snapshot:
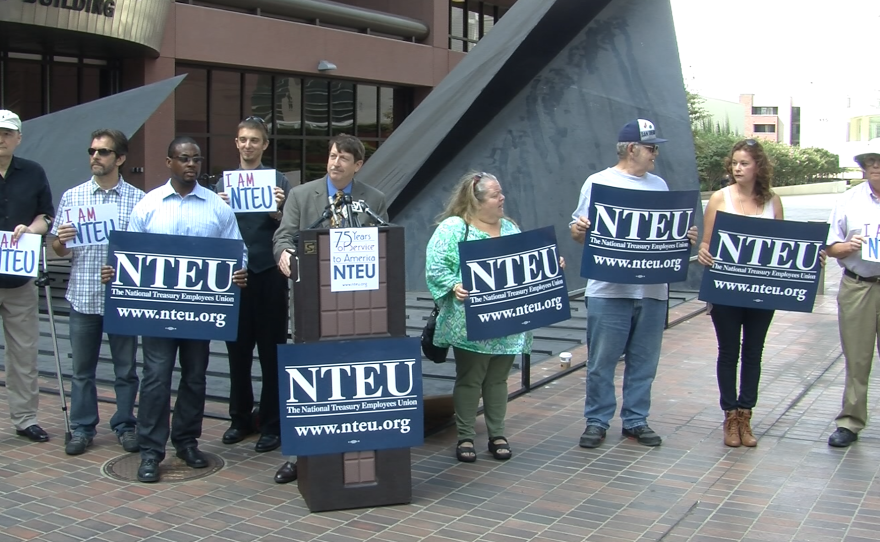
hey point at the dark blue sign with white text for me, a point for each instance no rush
(764, 264)
(173, 286)
(349, 396)
(638, 236)
(514, 282)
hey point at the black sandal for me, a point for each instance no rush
(466, 454)
(500, 451)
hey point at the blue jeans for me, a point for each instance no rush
(633, 327)
(86, 332)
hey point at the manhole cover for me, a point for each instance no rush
(171, 469)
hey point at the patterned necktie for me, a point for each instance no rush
(338, 220)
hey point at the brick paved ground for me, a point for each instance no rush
(692, 488)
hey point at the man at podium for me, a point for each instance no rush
(333, 201)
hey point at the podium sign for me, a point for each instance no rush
(371, 474)
(345, 396)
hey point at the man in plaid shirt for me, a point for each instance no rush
(86, 296)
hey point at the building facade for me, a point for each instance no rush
(310, 69)
(772, 118)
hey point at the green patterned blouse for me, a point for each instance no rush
(443, 271)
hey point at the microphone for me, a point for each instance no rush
(362, 207)
(352, 217)
(324, 216)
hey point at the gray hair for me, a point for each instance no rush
(622, 148)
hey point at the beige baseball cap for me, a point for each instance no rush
(9, 120)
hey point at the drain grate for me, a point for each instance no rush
(171, 470)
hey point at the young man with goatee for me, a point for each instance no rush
(85, 293)
(262, 316)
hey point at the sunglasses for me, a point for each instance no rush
(750, 142)
(654, 149)
(257, 119)
(101, 152)
(477, 178)
(187, 159)
(871, 162)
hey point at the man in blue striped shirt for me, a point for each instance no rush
(85, 292)
(179, 207)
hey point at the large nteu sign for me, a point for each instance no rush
(761, 263)
(342, 396)
(173, 286)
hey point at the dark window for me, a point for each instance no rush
(225, 102)
(34, 85)
(770, 111)
(23, 88)
(191, 102)
(469, 21)
(300, 113)
(63, 87)
(765, 128)
(795, 127)
(342, 107)
(367, 111)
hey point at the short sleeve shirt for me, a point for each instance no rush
(614, 177)
(85, 291)
(24, 195)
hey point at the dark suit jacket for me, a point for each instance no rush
(305, 204)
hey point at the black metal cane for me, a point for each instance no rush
(43, 281)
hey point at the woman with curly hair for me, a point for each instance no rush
(748, 194)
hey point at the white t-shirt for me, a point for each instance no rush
(618, 179)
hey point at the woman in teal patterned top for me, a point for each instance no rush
(475, 211)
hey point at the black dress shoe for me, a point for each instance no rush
(194, 457)
(267, 443)
(34, 433)
(235, 434)
(842, 438)
(148, 472)
(286, 474)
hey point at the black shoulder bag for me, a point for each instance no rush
(435, 353)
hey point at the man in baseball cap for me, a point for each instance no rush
(639, 131)
(25, 207)
(623, 318)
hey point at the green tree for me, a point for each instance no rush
(696, 111)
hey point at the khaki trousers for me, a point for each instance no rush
(21, 327)
(858, 315)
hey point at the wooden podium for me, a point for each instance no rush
(353, 479)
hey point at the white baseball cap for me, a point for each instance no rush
(9, 120)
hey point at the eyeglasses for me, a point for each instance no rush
(187, 159)
(750, 142)
(101, 152)
(871, 162)
(654, 149)
(257, 119)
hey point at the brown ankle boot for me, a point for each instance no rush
(745, 429)
(731, 429)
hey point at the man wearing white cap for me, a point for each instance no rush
(25, 207)
(623, 318)
(854, 221)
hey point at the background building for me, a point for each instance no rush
(774, 118)
(310, 69)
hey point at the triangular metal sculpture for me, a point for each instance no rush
(58, 141)
(539, 102)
